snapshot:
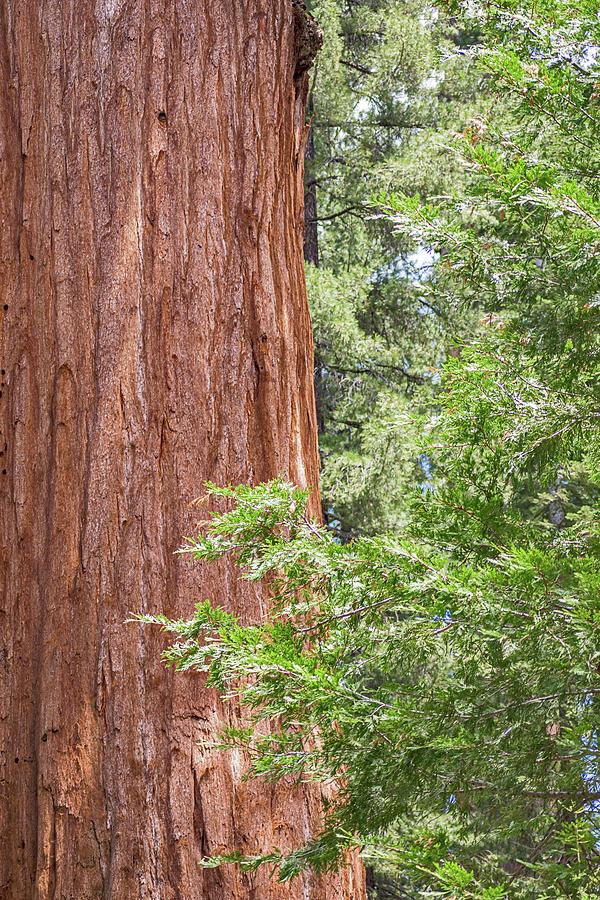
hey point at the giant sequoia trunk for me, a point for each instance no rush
(154, 334)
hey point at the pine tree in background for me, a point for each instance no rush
(383, 99)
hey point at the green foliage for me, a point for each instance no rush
(383, 95)
(363, 405)
(454, 688)
(445, 675)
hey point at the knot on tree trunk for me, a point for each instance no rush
(308, 37)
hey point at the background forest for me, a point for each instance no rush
(439, 634)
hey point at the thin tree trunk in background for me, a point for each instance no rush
(154, 334)
(311, 234)
(311, 243)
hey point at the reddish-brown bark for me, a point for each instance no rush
(153, 334)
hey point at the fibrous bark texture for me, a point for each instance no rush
(153, 334)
